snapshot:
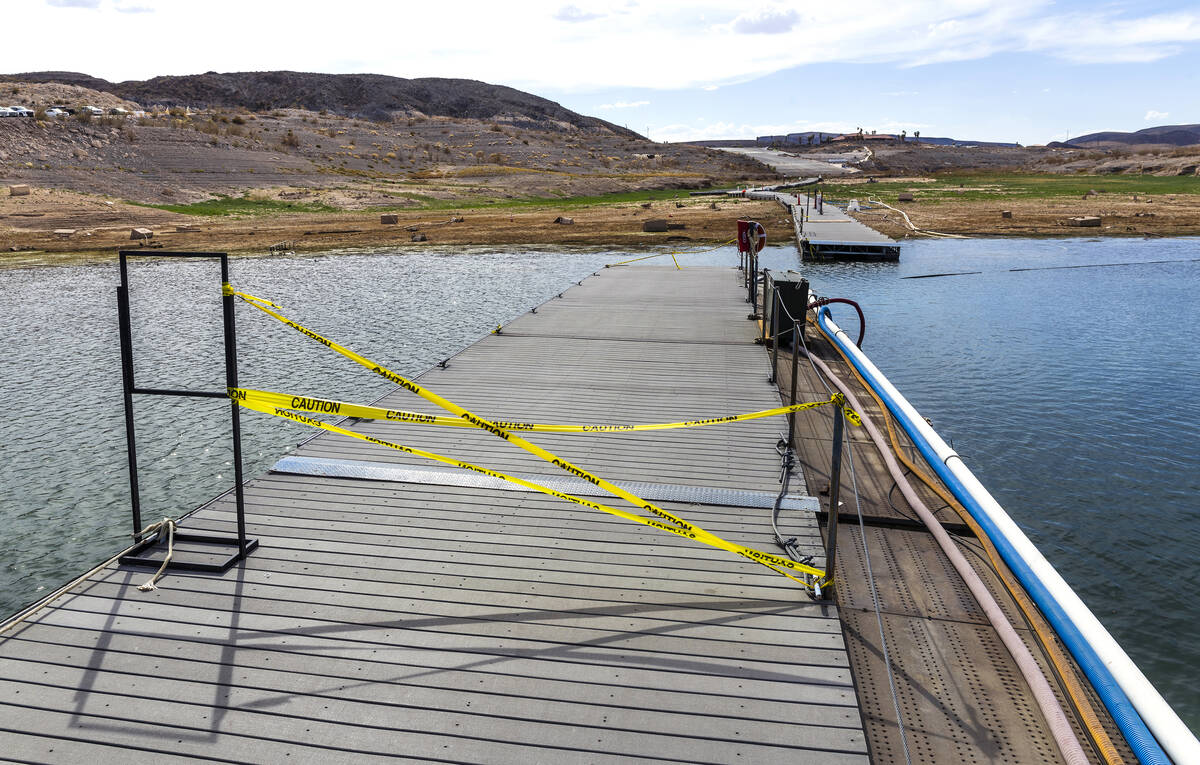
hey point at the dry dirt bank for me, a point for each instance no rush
(1119, 216)
(102, 227)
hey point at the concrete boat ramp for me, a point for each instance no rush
(396, 610)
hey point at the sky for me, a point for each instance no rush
(1030, 71)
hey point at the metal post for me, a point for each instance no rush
(773, 318)
(127, 383)
(835, 478)
(231, 381)
(796, 329)
(765, 318)
(754, 277)
(750, 276)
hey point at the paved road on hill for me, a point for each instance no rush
(801, 167)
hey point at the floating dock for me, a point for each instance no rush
(401, 609)
(825, 232)
(396, 609)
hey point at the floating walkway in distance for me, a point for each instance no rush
(830, 234)
(401, 612)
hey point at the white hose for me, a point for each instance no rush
(912, 227)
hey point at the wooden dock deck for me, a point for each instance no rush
(418, 613)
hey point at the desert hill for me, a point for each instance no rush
(369, 96)
(423, 149)
(1171, 135)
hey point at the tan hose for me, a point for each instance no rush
(1061, 664)
(1056, 718)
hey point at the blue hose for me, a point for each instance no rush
(1145, 747)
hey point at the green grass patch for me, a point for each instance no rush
(222, 206)
(243, 206)
(999, 187)
(619, 197)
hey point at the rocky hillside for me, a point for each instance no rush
(344, 162)
(1168, 135)
(369, 96)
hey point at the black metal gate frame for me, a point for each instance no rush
(139, 554)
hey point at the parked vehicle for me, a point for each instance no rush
(6, 112)
(54, 111)
(95, 111)
(20, 111)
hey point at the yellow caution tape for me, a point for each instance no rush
(673, 253)
(774, 562)
(685, 530)
(344, 409)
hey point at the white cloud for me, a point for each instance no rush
(770, 21)
(623, 105)
(666, 44)
(134, 9)
(573, 13)
(710, 87)
(1105, 37)
(1152, 116)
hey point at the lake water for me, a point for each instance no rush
(1071, 392)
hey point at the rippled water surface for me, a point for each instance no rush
(1071, 392)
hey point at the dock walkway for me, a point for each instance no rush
(419, 613)
(831, 234)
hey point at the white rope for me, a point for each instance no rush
(169, 525)
(914, 228)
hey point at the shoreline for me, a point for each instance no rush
(702, 222)
(32, 228)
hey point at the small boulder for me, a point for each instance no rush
(905, 197)
(1006, 213)
(141, 233)
(19, 190)
(389, 219)
(564, 221)
(419, 237)
(654, 225)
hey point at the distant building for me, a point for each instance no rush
(866, 137)
(810, 138)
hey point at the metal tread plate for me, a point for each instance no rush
(663, 492)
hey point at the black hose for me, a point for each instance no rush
(862, 319)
